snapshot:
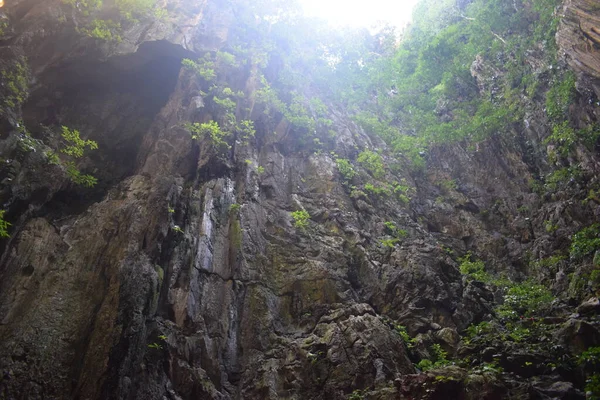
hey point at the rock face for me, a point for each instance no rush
(181, 275)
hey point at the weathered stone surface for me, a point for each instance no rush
(155, 285)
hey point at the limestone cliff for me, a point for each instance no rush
(182, 274)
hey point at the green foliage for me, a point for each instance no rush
(550, 227)
(73, 147)
(378, 190)
(590, 358)
(4, 225)
(402, 191)
(225, 58)
(85, 7)
(401, 330)
(549, 263)
(439, 359)
(356, 395)
(564, 138)
(78, 178)
(204, 67)
(372, 162)
(560, 96)
(211, 131)
(473, 269)
(449, 184)
(268, 98)
(301, 218)
(76, 146)
(234, 209)
(389, 243)
(480, 329)
(525, 299)
(245, 131)
(346, 169)
(106, 30)
(133, 9)
(395, 231)
(3, 25)
(585, 242)
(592, 386)
(15, 82)
(561, 177)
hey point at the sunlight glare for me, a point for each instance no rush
(361, 13)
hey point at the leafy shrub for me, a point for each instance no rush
(245, 130)
(76, 145)
(78, 178)
(203, 67)
(585, 242)
(372, 163)
(102, 29)
(85, 7)
(15, 82)
(212, 131)
(473, 269)
(560, 96)
(526, 299)
(301, 219)
(4, 225)
(378, 190)
(345, 167)
(439, 359)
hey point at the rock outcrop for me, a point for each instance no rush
(181, 274)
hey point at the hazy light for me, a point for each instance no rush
(365, 13)
(1, 3)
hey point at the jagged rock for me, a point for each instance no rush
(591, 306)
(183, 275)
(578, 335)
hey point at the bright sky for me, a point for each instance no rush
(361, 12)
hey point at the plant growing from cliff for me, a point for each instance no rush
(85, 7)
(440, 359)
(378, 190)
(204, 67)
(585, 242)
(527, 299)
(74, 147)
(590, 361)
(211, 131)
(4, 225)
(403, 191)
(357, 395)
(560, 96)
(15, 82)
(107, 30)
(78, 178)
(346, 169)
(301, 218)
(245, 131)
(473, 269)
(372, 162)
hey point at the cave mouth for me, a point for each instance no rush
(113, 102)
